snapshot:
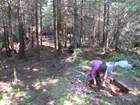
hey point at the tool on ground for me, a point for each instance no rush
(86, 76)
(79, 72)
(83, 74)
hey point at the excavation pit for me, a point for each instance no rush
(113, 88)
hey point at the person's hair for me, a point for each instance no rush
(103, 68)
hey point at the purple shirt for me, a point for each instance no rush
(96, 64)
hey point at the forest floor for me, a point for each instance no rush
(54, 81)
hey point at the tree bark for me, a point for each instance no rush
(107, 22)
(33, 27)
(76, 25)
(59, 25)
(104, 26)
(38, 49)
(81, 27)
(24, 37)
(54, 22)
(10, 30)
(41, 21)
(21, 31)
(99, 24)
(6, 41)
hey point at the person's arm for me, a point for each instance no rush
(93, 77)
(104, 77)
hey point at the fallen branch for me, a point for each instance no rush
(79, 72)
(135, 65)
(69, 95)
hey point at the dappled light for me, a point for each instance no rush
(53, 81)
(35, 69)
(69, 52)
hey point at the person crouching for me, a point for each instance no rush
(99, 67)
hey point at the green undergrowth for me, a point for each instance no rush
(75, 100)
(126, 72)
(16, 95)
(105, 101)
(58, 89)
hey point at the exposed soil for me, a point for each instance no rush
(113, 88)
(31, 70)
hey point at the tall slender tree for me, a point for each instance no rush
(11, 37)
(59, 25)
(54, 23)
(41, 20)
(38, 49)
(76, 24)
(81, 25)
(21, 30)
(33, 24)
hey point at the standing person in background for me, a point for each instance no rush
(44, 32)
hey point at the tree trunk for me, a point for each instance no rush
(10, 30)
(41, 21)
(33, 28)
(38, 49)
(81, 27)
(64, 31)
(59, 25)
(104, 25)
(25, 37)
(76, 25)
(21, 32)
(89, 10)
(99, 25)
(54, 22)
(107, 26)
(6, 41)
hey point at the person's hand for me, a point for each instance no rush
(104, 84)
(95, 82)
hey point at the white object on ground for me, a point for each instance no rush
(123, 64)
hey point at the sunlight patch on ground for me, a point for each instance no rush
(53, 81)
(35, 69)
(37, 87)
(77, 99)
(3, 102)
(69, 59)
(67, 103)
(11, 95)
(117, 74)
(4, 85)
(67, 73)
(135, 93)
(51, 102)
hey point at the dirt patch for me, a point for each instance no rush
(113, 88)
(37, 75)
